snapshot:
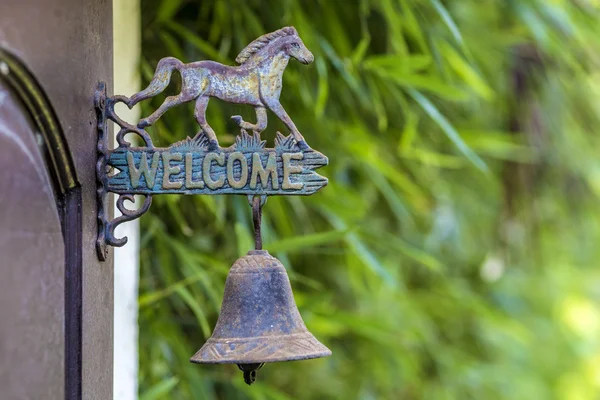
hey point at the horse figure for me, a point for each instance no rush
(256, 81)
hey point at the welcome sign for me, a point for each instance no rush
(246, 168)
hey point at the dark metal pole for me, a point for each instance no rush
(256, 218)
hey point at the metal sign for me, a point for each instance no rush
(247, 167)
(199, 165)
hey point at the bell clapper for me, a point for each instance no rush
(249, 371)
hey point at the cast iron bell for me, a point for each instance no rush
(259, 320)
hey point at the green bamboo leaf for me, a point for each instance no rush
(378, 105)
(323, 88)
(306, 241)
(395, 27)
(196, 41)
(260, 392)
(335, 29)
(150, 298)
(395, 201)
(409, 132)
(434, 159)
(147, 70)
(244, 238)
(368, 152)
(466, 72)
(370, 329)
(167, 9)
(196, 307)
(173, 203)
(500, 145)
(448, 129)
(336, 61)
(534, 23)
(392, 62)
(160, 390)
(361, 50)
(413, 27)
(424, 82)
(171, 44)
(362, 251)
(418, 255)
(447, 18)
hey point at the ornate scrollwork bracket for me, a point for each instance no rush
(105, 112)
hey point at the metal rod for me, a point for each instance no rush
(256, 218)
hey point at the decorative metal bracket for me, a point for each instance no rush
(191, 167)
(105, 111)
(199, 165)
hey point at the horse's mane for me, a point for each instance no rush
(258, 44)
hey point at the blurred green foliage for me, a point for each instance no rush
(454, 254)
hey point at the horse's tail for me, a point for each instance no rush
(160, 81)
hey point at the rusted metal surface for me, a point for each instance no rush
(188, 167)
(199, 165)
(257, 203)
(105, 112)
(257, 81)
(259, 320)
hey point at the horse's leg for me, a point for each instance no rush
(169, 102)
(278, 110)
(261, 120)
(160, 80)
(200, 114)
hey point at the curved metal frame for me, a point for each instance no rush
(36, 102)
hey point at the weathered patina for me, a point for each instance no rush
(247, 167)
(259, 320)
(257, 81)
